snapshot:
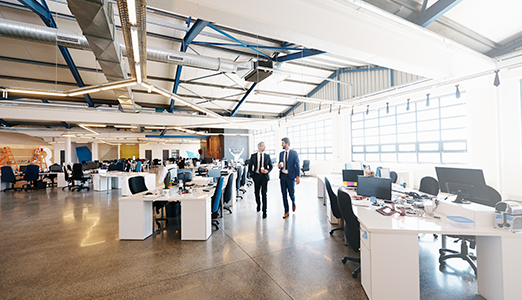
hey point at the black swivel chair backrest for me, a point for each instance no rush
(77, 173)
(243, 176)
(239, 175)
(137, 184)
(429, 185)
(56, 168)
(32, 173)
(306, 165)
(228, 190)
(393, 176)
(8, 174)
(351, 223)
(334, 203)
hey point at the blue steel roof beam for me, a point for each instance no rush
(238, 106)
(5, 123)
(44, 13)
(247, 46)
(435, 11)
(193, 32)
(300, 54)
(236, 40)
(315, 90)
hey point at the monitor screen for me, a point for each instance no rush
(469, 183)
(454, 179)
(23, 169)
(215, 173)
(351, 175)
(374, 187)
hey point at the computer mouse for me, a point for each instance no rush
(148, 193)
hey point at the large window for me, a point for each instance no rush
(269, 138)
(312, 141)
(414, 133)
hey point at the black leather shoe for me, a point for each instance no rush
(264, 215)
(258, 208)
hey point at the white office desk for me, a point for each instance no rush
(136, 215)
(390, 247)
(117, 180)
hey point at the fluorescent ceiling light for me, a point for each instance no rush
(138, 73)
(93, 125)
(68, 135)
(135, 44)
(83, 92)
(131, 10)
(87, 128)
(125, 126)
(36, 92)
(117, 86)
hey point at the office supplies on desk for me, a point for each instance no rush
(508, 216)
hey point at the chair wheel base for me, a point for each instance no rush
(344, 260)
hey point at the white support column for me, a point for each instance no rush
(68, 150)
(95, 151)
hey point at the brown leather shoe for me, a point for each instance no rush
(286, 215)
(293, 207)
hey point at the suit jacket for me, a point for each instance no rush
(267, 164)
(292, 164)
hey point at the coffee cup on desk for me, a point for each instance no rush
(166, 192)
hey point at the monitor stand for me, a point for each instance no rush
(460, 200)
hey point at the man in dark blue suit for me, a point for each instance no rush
(258, 168)
(289, 172)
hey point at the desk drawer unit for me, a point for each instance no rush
(384, 255)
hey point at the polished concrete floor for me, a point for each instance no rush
(58, 244)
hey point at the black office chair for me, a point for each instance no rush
(77, 175)
(238, 182)
(429, 185)
(31, 176)
(393, 176)
(306, 167)
(54, 168)
(334, 205)
(9, 177)
(492, 194)
(249, 180)
(137, 185)
(351, 227)
(227, 196)
(216, 201)
(68, 179)
(243, 179)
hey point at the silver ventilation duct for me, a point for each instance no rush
(96, 21)
(52, 36)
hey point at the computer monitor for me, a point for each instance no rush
(185, 175)
(374, 187)
(385, 173)
(214, 173)
(23, 169)
(467, 184)
(350, 176)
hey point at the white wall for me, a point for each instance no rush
(157, 149)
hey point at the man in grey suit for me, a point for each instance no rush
(259, 167)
